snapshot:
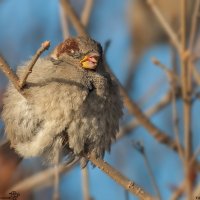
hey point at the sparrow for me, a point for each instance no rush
(70, 104)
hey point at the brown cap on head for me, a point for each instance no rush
(83, 51)
(69, 46)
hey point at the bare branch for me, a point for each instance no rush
(86, 12)
(151, 111)
(119, 178)
(69, 11)
(44, 46)
(139, 146)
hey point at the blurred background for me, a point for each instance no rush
(136, 36)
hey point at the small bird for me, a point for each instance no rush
(70, 104)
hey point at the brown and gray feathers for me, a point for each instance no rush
(64, 106)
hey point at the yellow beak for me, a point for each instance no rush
(90, 61)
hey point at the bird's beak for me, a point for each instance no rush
(90, 61)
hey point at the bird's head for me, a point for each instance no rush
(80, 51)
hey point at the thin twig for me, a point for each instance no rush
(85, 184)
(9, 73)
(69, 11)
(169, 72)
(44, 46)
(140, 148)
(151, 92)
(119, 178)
(86, 12)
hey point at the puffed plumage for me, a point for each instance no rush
(65, 107)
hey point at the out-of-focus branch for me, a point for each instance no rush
(169, 72)
(39, 180)
(192, 68)
(172, 35)
(125, 129)
(186, 92)
(85, 16)
(178, 192)
(64, 23)
(173, 82)
(69, 11)
(119, 178)
(164, 24)
(158, 134)
(194, 25)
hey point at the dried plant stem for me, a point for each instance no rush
(14, 79)
(186, 92)
(85, 184)
(141, 150)
(151, 92)
(194, 25)
(86, 12)
(44, 46)
(69, 11)
(120, 179)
